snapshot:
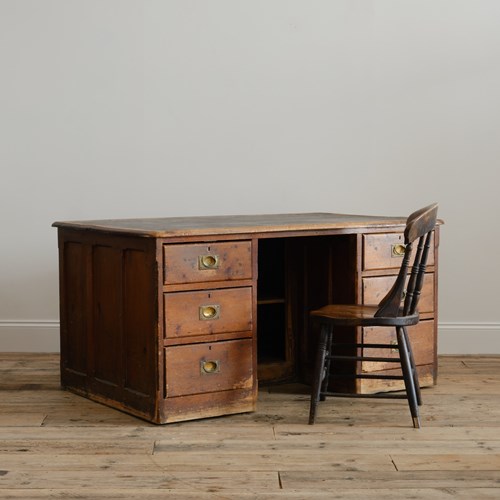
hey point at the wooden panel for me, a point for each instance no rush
(207, 262)
(212, 367)
(321, 270)
(139, 314)
(107, 314)
(184, 314)
(421, 339)
(74, 308)
(378, 251)
(375, 288)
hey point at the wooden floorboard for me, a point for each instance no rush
(54, 444)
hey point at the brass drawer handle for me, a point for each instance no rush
(209, 367)
(209, 312)
(398, 250)
(206, 262)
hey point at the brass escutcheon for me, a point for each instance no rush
(398, 250)
(208, 262)
(208, 367)
(209, 312)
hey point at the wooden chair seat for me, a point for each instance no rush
(361, 315)
(397, 309)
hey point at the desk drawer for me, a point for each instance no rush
(375, 289)
(426, 378)
(196, 263)
(211, 367)
(421, 339)
(385, 251)
(208, 312)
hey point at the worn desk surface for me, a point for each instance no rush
(233, 224)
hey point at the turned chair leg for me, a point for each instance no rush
(408, 375)
(413, 367)
(318, 372)
(327, 363)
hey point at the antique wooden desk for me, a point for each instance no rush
(173, 319)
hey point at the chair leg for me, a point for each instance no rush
(413, 367)
(318, 373)
(327, 363)
(408, 377)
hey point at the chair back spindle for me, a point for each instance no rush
(419, 225)
(390, 305)
(417, 276)
(411, 287)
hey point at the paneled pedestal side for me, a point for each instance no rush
(172, 319)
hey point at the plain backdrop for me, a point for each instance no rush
(121, 108)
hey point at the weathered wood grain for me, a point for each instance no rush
(234, 224)
(54, 444)
(220, 493)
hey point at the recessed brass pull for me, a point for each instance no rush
(209, 312)
(206, 262)
(398, 250)
(209, 367)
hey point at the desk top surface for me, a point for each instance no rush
(166, 227)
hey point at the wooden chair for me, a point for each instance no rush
(391, 311)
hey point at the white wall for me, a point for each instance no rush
(120, 108)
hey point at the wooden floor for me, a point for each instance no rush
(54, 444)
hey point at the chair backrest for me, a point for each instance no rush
(419, 226)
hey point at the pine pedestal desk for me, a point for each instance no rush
(173, 319)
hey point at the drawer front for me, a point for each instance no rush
(211, 367)
(375, 289)
(421, 339)
(426, 378)
(195, 263)
(385, 251)
(208, 312)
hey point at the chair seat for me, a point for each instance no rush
(360, 315)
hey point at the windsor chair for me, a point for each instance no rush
(398, 309)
